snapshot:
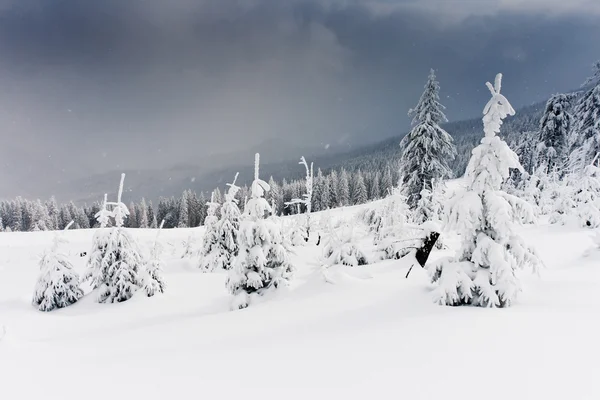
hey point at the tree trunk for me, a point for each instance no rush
(423, 252)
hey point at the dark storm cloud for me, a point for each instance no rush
(90, 86)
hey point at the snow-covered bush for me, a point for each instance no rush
(297, 233)
(58, 283)
(587, 197)
(263, 262)
(153, 280)
(483, 273)
(341, 248)
(563, 204)
(189, 247)
(221, 245)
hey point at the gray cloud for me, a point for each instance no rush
(92, 86)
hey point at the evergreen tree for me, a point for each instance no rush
(275, 197)
(427, 147)
(153, 280)
(16, 218)
(183, 211)
(344, 189)
(262, 264)
(58, 283)
(555, 126)
(374, 188)
(53, 212)
(317, 191)
(587, 196)
(202, 210)
(424, 210)
(115, 262)
(210, 241)
(334, 193)
(325, 202)
(153, 223)
(359, 191)
(223, 246)
(483, 272)
(143, 215)
(586, 135)
(386, 183)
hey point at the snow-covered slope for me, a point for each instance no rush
(372, 334)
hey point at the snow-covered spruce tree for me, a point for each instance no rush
(183, 211)
(189, 247)
(262, 264)
(307, 198)
(555, 126)
(424, 210)
(483, 272)
(58, 283)
(153, 280)
(343, 189)
(587, 195)
(225, 233)
(341, 249)
(359, 190)
(100, 243)
(390, 226)
(115, 261)
(585, 138)
(560, 193)
(427, 148)
(211, 236)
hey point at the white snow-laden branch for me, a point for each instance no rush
(496, 109)
(233, 189)
(103, 216)
(306, 197)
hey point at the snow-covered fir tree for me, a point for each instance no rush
(483, 271)
(387, 184)
(424, 210)
(189, 246)
(389, 224)
(210, 241)
(263, 262)
(586, 195)
(115, 261)
(143, 217)
(555, 127)
(224, 246)
(359, 190)
(375, 189)
(427, 148)
(585, 139)
(153, 280)
(343, 189)
(341, 248)
(307, 198)
(183, 212)
(58, 283)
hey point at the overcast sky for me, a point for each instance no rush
(90, 86)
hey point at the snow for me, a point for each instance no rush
(370, 334)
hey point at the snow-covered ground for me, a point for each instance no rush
(373, 334)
